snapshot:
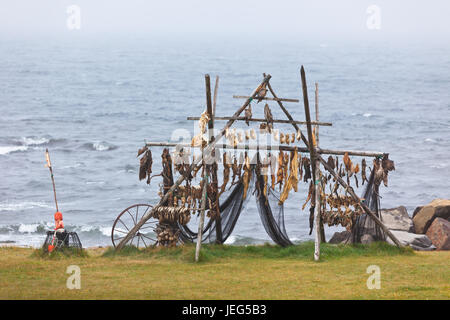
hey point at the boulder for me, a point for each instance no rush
(341, 237)
(416, 241)
(397, 219)
(424, 217)
(439, 234)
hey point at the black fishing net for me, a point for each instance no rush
(365, 229)
(234, 204)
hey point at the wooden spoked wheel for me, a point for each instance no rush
(127, 219)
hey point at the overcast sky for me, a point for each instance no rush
(416, 19)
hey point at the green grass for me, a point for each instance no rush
(60, 253)
(303, 251)
(227, 272)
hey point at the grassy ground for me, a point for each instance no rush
(227, 272)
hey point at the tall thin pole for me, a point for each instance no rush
(322, 230)
(213, 167)
(49, 165)
(314, 165)
(216, 89)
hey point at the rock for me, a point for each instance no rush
(397, 219)
(417, 210)
(439, 234)
(424, 217)
(341, 237)
(416, 241)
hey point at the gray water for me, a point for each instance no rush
(92, 102)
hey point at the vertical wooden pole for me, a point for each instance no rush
(322, 230)
(213, 167)
(216, 88)
(202, 218)
(314, 165)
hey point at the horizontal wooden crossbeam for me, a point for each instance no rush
(329, 124)
(274, 147)
(267, 98)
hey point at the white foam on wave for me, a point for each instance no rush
(32, 141)
(11, 149)
(100, 146)
(367, 115)
(24, 205)
(28, 228)
(230, 240)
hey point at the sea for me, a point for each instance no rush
(93, 101)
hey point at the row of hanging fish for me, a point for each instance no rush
(167, 235)
(172, 215)
(343, 210)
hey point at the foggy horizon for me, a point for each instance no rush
(322, 20)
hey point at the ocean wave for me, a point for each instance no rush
(23, 205)
(44, 226)
(11, 149)
(99, 146)
(34, 141)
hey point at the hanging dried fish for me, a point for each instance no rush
(203, 121)
(300, 166)
(363, 171)
(263, 128)
(310, 193)
(248, 114)
(273, 165)
(269, 118)
(287, 138)
(331, 163)
(388, 165)
(261, 93)
(239, 137)
(276, 135)
(307, 169)
(235, 168)
(226, 172)
(282, 138)
(145, 169)
(247, 175)
(293, 137)
(314, 137)
(292, 181)
(253, 134)
(347, 162)
(299, 134)
(141, 151)
(280, 171)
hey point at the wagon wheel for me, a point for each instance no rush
(127, 219)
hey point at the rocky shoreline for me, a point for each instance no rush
(427, 229)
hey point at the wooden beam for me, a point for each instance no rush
(328, 124)
(216, 89)
(322, 229)
(268, 98)
(213, 167)
(314, 165)
(273, 147)
(149, 214)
